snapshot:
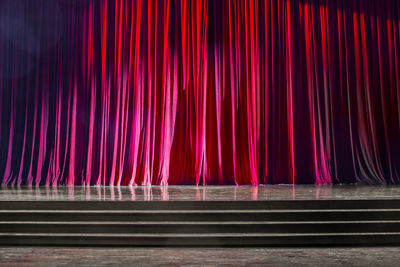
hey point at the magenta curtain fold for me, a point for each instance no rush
(120, 92)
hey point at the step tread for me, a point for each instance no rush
(196, 222)
(198, 211)
(199, 234)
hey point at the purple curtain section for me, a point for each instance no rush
(120, 92)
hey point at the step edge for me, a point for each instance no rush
(196, 222)
(160, 235)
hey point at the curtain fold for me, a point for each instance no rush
(123, 92)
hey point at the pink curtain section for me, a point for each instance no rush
(169, 92)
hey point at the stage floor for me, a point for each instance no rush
(200, 193)
(45, 256)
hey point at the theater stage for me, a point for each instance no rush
(201, 216)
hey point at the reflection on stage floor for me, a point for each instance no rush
(199, 193)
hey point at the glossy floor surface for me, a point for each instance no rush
(182, 193)
(25, 256)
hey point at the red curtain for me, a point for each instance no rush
(170, 92)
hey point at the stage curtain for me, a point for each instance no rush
(119, 92)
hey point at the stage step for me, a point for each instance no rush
(198, 215)
(200, 223)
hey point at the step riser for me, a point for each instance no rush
(201, 205)
(223, 216)
(202, 241)
(202, 228)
